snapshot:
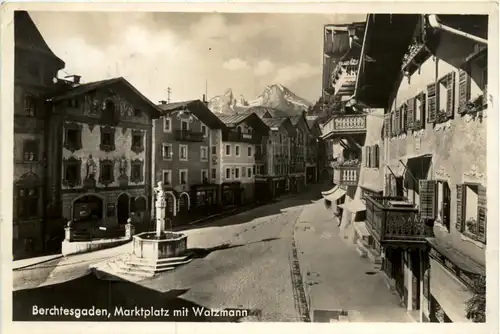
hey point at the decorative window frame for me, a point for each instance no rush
(213, 150)
(460, 224)
(72, 147)
(137, 163)
(250, 173)
(108, 147)
(237, 150)
(184, 121)
(207, 175)
(169, 181)
(230, 150)
(237, 173)
(181, 146)
(169, 158)
(72, 161)
(137, 148)
(201, 153)
(204, 130)
(106, 163)
(137, 112)
(250, 151)
(184, 170)
(226, 173)
(213, 175)
(30, 105)
(110, 118)
(447, 112)
(165, 128)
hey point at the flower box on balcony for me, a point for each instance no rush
(188, 135)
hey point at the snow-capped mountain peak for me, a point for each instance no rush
(274, 96)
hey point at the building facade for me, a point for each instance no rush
(35, 67)
(238, 152)
(430, 225)
(183, 156)
(299, 153)
(99, 153)
(316, 152)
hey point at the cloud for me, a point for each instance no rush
(289, 74)
(235, 64)
(263, 67)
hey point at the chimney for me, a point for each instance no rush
(204, 98)
(163, 102)
(75, 79)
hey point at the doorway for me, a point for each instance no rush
(123, 208)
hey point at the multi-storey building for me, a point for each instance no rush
(237, 152)
(99, 153)
(272, 176)
(35, 67)
(316, 152)
(184, 158)
(430, 78)
(298, 153)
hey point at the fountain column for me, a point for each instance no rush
(160, 205)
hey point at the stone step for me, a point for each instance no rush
(361, 252)
(343, 318)
(146, 261)
(155, 268)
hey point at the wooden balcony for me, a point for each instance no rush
(346, 175)
(345, 124)
(394, 220)
(238, 137)
(188, 135)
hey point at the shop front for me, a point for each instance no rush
(333, 198)
(205, 199)
(231, 194)
(263, 189)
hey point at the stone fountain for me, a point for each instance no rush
(152, 252)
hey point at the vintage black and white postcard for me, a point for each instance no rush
(245, 163)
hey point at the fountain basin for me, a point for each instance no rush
(147, 246)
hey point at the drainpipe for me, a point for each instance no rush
(434, 23)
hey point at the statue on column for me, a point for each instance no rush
(90, 168)
(123, 165)
(160, 194)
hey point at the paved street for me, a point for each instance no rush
(247, 262)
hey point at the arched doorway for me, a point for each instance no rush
(184, 203)
(88, 208)
(123, 208)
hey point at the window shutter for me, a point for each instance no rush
(481, 213)
(394, 186)
(409, 114)
(463, 89)
(431, 103)
(446, 205)
(422, 109)
(450, 93)
(376, 156)
(369, 155)
(393, 123)
(460, 208)
(427, 198)
(387, 126)
(398, 121)
(387, 184)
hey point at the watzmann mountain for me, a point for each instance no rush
(275, 96)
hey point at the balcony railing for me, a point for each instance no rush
(344, 124)
(346, 175)
(188, 135)
(237, 137)
(343, 77)
(394, 219)
(260, 156)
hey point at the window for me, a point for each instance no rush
(472, 211)
(183, 176)
(107, 138)
(204, 153)
(445, 98)
(204, 130)
(137, 141)
(167, 124)
(249, 171)
(136, 171)
(107, 172)
(228, 173)
(167, 152)
(30, 150)
(236, 173)
(27, 202)
(72, 172)
(214, 174)
(443, 202)
(204, 175)
(30, 106)
(214, 150)
(249, 151)
(243, 172)
(137, 112)
(237, 150)
(253, 168)
(184, 125)
(183, 152)
(109, 114)
(167, 176)
(228, 150)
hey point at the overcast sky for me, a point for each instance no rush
(153, 51)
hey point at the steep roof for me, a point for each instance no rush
(88, 87)
(198, 108)
(27, 36)
(280, 122)
(250, 118)
(261, 111)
